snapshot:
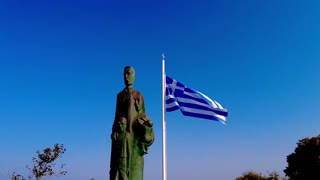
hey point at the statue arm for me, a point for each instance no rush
(128, 153)
(143, 110)
(147, 137)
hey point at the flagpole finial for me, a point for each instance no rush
(162, 56)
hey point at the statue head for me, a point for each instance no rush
(122, 124)
(128, 76)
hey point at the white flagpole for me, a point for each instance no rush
(164, 140)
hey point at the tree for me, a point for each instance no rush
(44, 164)
(257, 176)
(250, 176)
(304, 162)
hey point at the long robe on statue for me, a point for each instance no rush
(130, 105)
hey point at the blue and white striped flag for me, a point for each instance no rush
(192, 103)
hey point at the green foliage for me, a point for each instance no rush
(44, 164)
(255, 176)
(250, 176)
(304, 162)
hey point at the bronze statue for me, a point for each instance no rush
(132, 132)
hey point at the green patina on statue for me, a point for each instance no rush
(132, 132)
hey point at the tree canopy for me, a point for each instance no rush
(304, 162)
(44, 164)
(258, 176)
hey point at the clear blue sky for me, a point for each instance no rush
(61, 65)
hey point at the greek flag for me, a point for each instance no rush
(192, 103)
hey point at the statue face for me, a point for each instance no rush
(122, 124)
(128, 76)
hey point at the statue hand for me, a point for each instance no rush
(148, 138)
(114, 135)
(148, 123)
